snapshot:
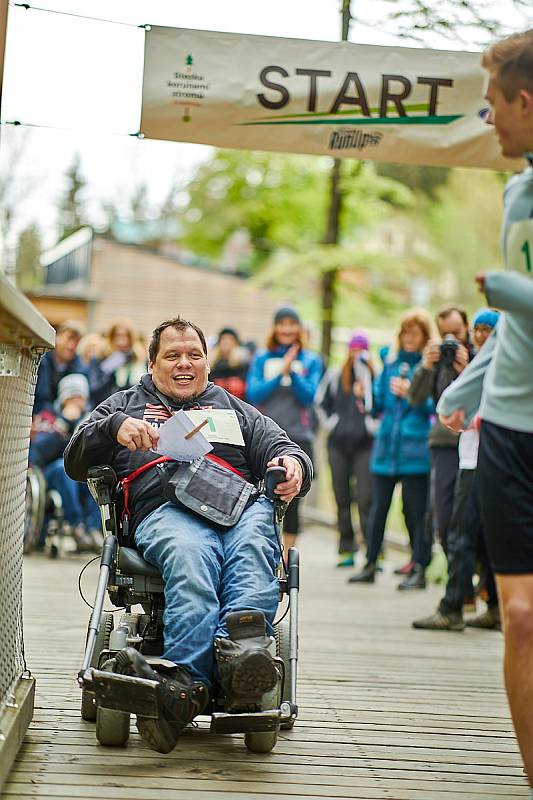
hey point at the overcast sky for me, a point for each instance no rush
(78, 74)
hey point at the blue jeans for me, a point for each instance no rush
(208, 574)
(78, 503)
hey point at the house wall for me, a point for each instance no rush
(58, 309)
(149, 288)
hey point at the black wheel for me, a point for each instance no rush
(88, 705)
(262, 742)
(34, 507)
(112, 727)
(282, 637)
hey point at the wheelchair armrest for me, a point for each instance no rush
(102, 481)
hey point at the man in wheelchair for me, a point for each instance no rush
(221, 588)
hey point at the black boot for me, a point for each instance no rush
(180, 696)
(416, 580)
(367, 574)
(247, 669)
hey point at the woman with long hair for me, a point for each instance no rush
(401, 453)
(282, 382)
(120, 364)
(344, 400)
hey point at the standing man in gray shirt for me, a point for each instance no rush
(500, 383)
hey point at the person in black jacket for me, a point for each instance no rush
(207, 574)
(441, 364)
(344, 401)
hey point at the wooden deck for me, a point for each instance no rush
(386, 711)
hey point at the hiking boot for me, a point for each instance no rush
(416, 580)
(441, 622)
(247, 669)
(181, 698)
(366, 575)
(406, 569)
(345, 560)
(489, 620)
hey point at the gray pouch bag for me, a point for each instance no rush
(209, 491)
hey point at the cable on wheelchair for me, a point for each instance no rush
(80, 590)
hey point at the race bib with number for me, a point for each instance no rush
(519, 249)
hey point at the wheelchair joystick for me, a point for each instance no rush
(273, 476)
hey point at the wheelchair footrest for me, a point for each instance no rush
(258, 722)
(126, 693)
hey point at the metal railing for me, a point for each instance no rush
(24, 336)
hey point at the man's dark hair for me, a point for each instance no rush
(178, 324)
(445, 312)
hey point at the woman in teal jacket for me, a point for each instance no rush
(401, 452)
(282, 383)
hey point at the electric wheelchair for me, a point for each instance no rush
(109, 698)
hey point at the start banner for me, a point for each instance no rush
(396, 104)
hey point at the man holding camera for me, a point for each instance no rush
(441, 364)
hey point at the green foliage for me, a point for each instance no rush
(281, 200)
(464, 225)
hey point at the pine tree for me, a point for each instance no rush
(72, 214)
(29, 248)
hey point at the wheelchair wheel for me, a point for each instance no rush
(88, 706)
(112, 727)
(282, 637)
(262, 742)
(34, 507)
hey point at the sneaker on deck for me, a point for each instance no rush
(440, 622)
(488, 620)
(345, 560)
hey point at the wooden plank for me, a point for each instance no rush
(386, 711)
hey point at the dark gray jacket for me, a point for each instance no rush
(428, 383)
(95, 441)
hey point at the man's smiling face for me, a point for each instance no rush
(180, 368)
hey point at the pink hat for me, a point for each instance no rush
(359, 340)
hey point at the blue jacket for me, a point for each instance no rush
(401, 442)
(48, 378)
(288, 399)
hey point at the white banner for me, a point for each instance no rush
(396, 104)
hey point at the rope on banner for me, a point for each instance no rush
(17, 123)
(28, 7)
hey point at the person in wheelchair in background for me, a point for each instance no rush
(208, 574)
(50, 434)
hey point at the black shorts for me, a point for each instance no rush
(505, 491)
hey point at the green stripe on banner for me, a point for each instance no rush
(434, 120)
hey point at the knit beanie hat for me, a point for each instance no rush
(287, 311)
(75, 385)
(358, 339)
(486, 316)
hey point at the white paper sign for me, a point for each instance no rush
(172, 441)
(222, 425)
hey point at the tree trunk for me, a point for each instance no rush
(329, 278)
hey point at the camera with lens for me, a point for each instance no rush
(448, 349)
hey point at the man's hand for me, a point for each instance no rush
(135, 434)
(461, 359)
(292, 484)
(431, 355)
(480, 280)
(455, 422)
(399, 386)
(288, 358)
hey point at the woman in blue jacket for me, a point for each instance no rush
(401, 452)
(282, 382)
